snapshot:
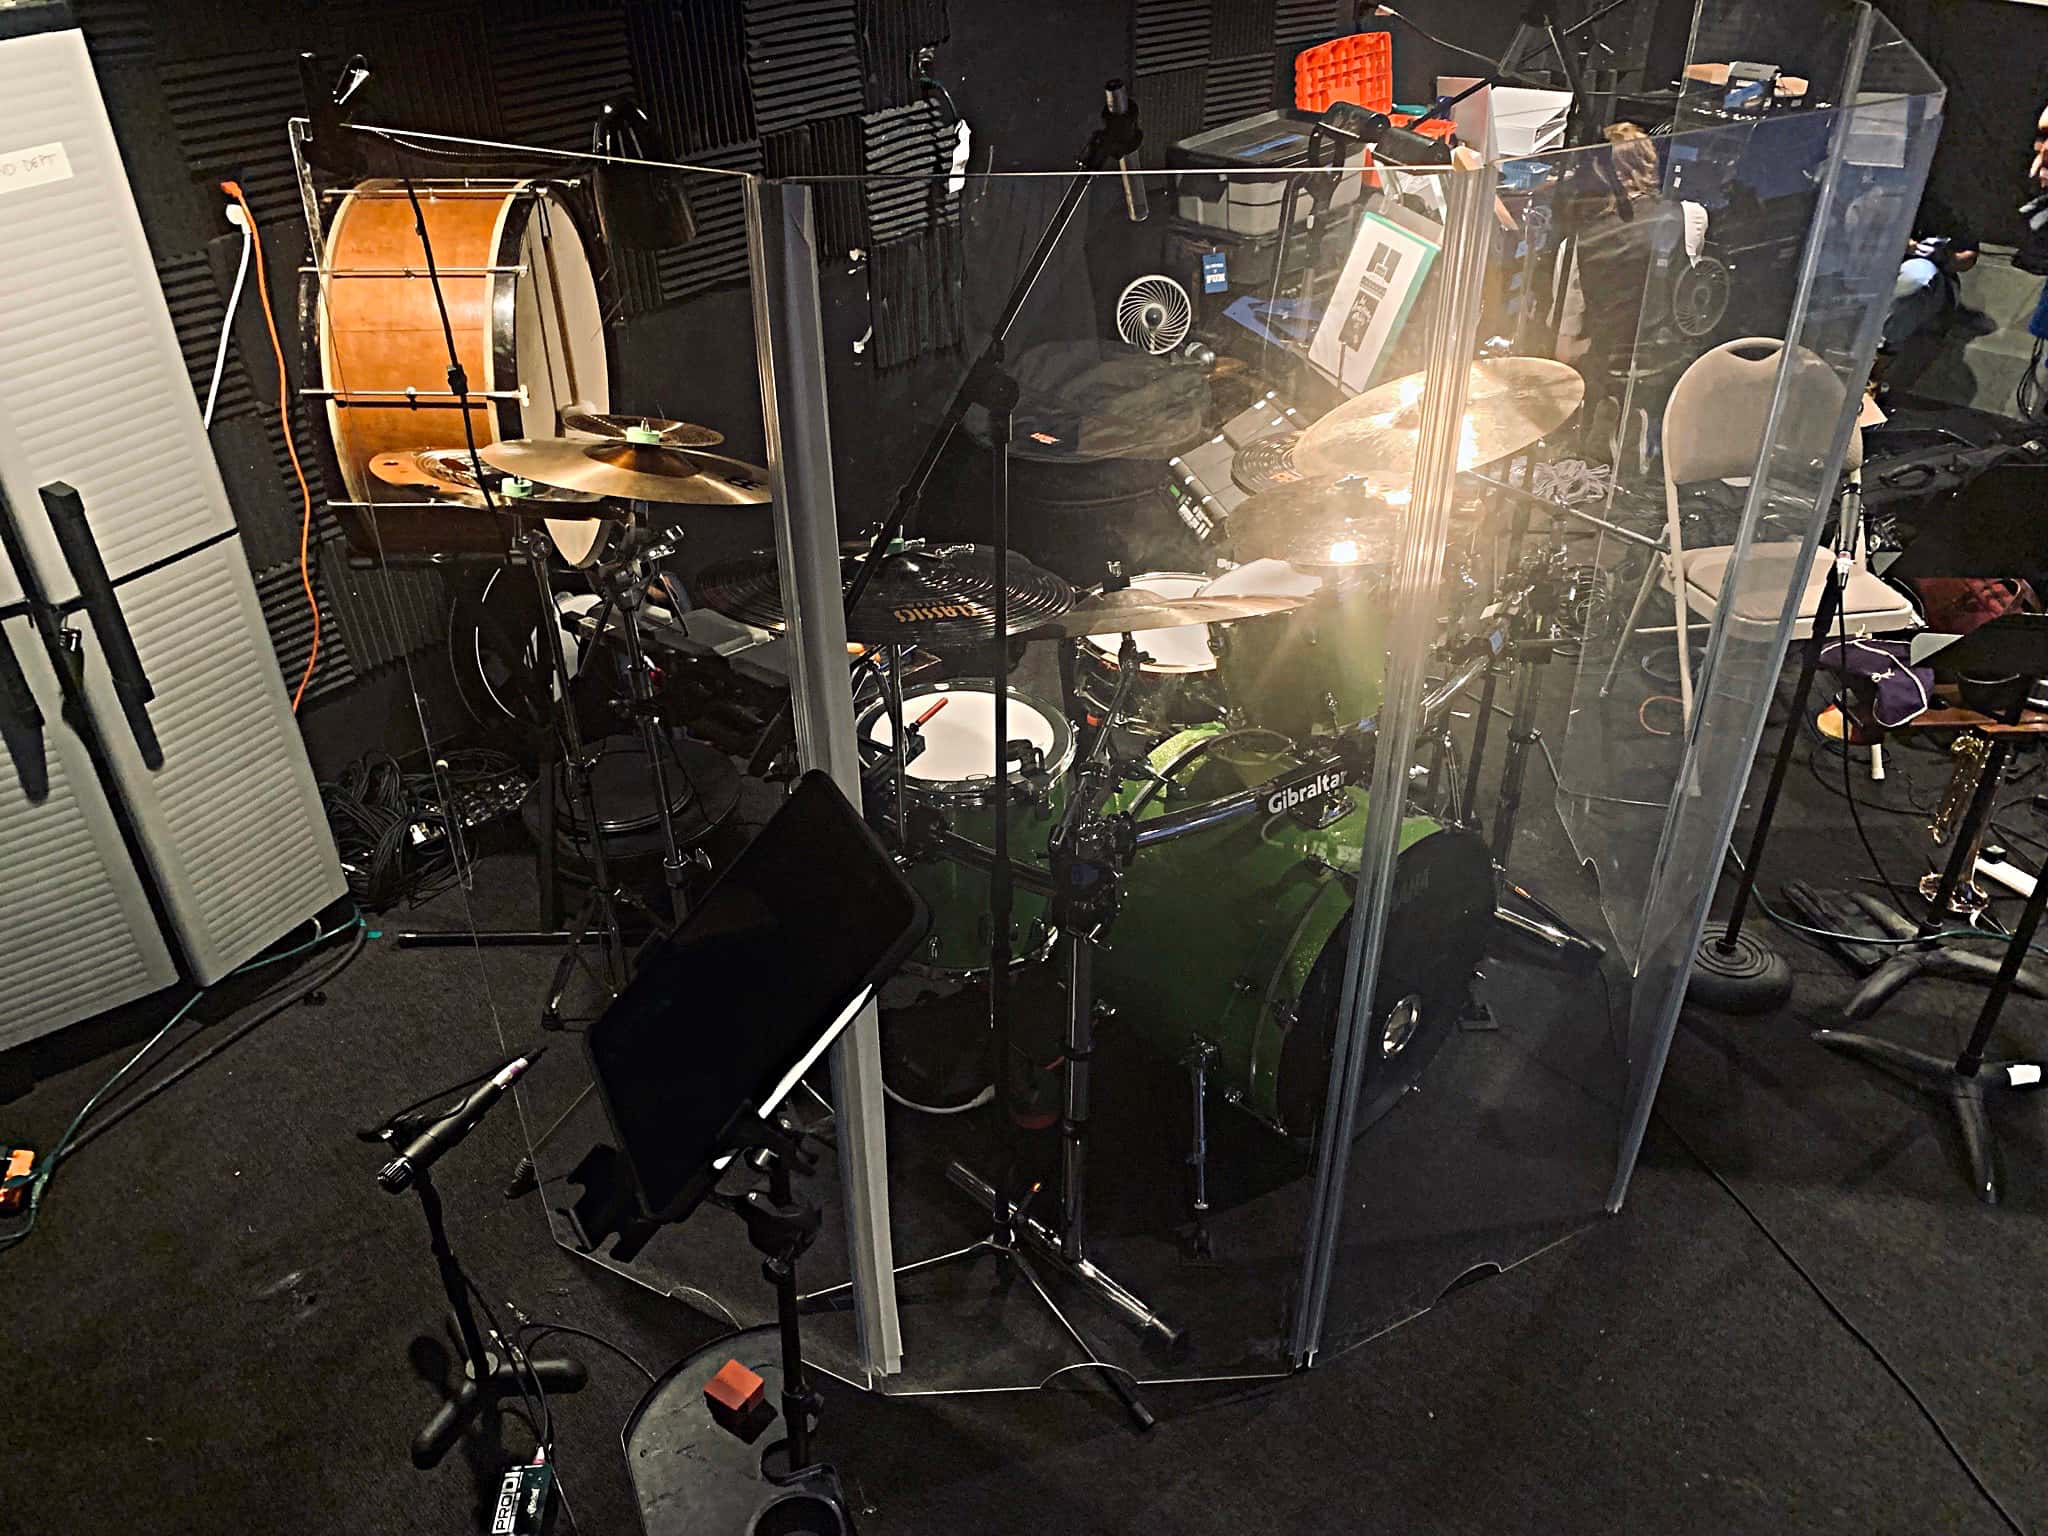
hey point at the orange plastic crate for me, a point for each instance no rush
(1359, 68)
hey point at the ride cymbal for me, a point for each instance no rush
(1320, 524)
(632, 471)
(667, 433)
(1134, 609)
(939, 595)
(1510, 403)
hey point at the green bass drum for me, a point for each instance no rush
(1235, 938)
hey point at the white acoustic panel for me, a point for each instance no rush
(93, 386)
(76, 931)
(232, 821)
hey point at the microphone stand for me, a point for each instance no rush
(986, 384)
(488, 1378)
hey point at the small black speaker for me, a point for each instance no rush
(639, 208)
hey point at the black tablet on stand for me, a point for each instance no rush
(692, 1063)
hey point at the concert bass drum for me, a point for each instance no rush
(1235, 938)
(529, 330)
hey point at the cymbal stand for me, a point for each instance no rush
(626, 585)
(598, 908)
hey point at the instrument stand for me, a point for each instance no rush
(626, 588)
(1994, 527)
(598, 909)
(782, 1229)
(488, 1379)
(1089, 851)
(1529, 645)
(1968, 1082)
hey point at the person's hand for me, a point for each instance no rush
(1963, 260)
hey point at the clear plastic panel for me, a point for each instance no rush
(1859, 212)
(1139, 389)
(650, 697)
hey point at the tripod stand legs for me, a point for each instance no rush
(488, 1379)
(1965, 1095)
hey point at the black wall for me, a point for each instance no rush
(1993, 55)
(200, 90)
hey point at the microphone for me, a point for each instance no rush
(425, 1149)
(1121, 138)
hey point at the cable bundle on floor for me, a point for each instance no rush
(393, 830)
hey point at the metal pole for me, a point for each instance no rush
(789, 339)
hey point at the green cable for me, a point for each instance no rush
(39, 1181)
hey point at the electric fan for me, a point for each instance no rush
(1153, 314)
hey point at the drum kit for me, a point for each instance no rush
(1192, 794)
(1194, 790)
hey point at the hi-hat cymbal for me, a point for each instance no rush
(1511, 402)
(450, 476)
(938, 595)
(667, 433)
(1134, 609)
(1321, 524)
(632, 471)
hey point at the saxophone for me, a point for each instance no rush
(1970, 753)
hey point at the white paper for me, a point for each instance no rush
(38, 166)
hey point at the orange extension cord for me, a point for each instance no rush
(284, 421)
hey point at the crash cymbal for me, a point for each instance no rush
(448, 475)
(1320, 524)
(1134, 609)
(667, 433)
(939, 595)
(1511, 403)
(632, 471)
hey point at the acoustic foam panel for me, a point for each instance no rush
(1239, 29)
(1170, 107)
(891, 33)
(1236, 88)
(690, 64)
(1168, 34)
(803, 61)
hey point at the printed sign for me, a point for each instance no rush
(21, 169)
(1374, 293)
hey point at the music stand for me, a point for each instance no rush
(691, 1062)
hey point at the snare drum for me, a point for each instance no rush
(1176, 684)
(1317, 670)
(953, 774)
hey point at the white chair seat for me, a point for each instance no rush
(1870, 605)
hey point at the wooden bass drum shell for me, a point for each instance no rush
(529, 329)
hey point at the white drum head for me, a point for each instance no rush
(1265, 578)
(960, 740)
(1181, 649)
(558, 339)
